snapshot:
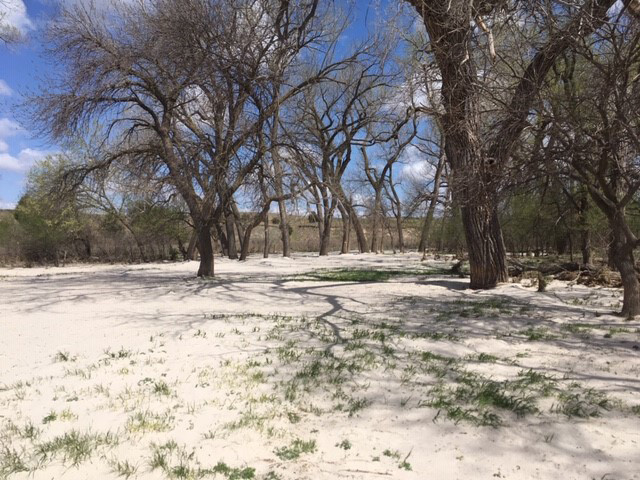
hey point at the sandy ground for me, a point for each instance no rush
(265, 372)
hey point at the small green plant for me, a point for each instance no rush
(583, 404)
(246, 473)
(120, 354)
(52, 416)
(123, 469)
(12, 462)
(161, 388)
(61, 356)
(295, 449)
(344, 444)
(536, 334)
(147, 421)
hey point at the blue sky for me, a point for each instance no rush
(22, 67)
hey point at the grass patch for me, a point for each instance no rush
(581, 403)
(366, 274)
(295, 449)
(146, 421)
(74, 447)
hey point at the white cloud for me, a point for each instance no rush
(14, 13)
(5, 89)
(23, 161)
(9, 128)
(4, 147)
(7, 205)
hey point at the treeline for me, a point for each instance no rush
(41, 232)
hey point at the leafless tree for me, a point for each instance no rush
(185, 84)
(480, 141)
(592, 129)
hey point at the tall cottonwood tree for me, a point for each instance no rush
(478, 145)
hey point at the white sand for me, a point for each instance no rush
(227, 376)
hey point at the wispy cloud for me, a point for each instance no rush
(9, 128)
(5, 89)
(14, 15)
(23, 161)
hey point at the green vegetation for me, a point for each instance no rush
(366, 275)
(295, 449)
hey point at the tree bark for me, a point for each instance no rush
(449, 25)
(623, 258)
(325, 238)
(487, 255)
(191, 248)
(206, 251)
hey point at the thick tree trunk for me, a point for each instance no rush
(625, 264)
(325, 238)
(206, 251)
(622, 252)
(487, 256)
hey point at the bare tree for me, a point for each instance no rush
(593, 134)
(463, 48)
(185, 84)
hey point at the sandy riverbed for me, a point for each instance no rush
(273, 370)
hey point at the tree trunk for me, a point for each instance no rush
(191, 249)
(258, 218)
(265, 252)
(346, 229)
(377, 229)
(487, 256)
(428, 221)
(625, 264)
(284, 229)
(206, 251)
(396, 208)
(363, 245)
(622, 252)
(400, 233)
(237, 221)
(231, 236)
(325, 238)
